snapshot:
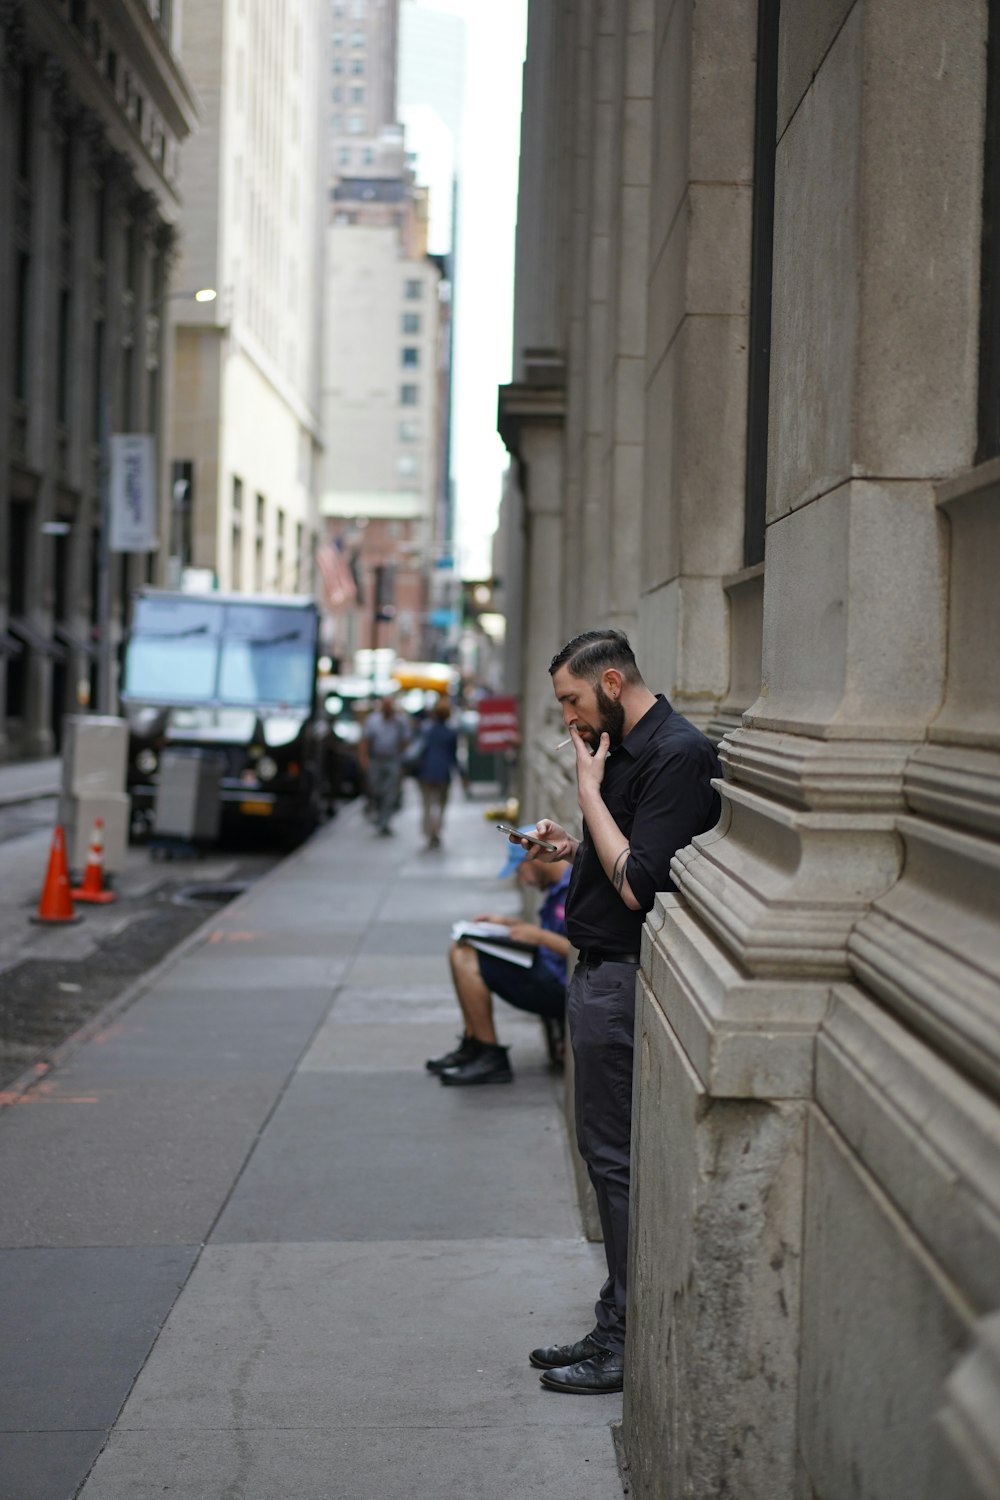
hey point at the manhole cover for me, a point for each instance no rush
(207, 894)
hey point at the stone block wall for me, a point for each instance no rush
(814, 1290)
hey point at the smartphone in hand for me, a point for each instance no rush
(531, 838)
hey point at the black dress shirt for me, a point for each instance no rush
(657, 787)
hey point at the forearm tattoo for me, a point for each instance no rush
(618, 873)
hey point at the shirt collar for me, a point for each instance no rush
(639, 735)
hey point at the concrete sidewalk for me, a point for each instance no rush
(27, 780)
(251, 1249)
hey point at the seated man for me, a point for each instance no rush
(479, 976)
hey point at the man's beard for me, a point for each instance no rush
(612, 716)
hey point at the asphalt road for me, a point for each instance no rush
(54, 979)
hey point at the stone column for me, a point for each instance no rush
(696, 357)
(629, 272)
(816, 1185)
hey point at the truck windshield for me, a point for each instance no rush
(194, 650)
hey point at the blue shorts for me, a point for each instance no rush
(536, 989)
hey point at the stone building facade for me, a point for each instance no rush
(755, 419)
(93, 109)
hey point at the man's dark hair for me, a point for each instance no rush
(592, 653)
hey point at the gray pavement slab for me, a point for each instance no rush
(399, 1156)
(404, 1335)
(135, 1162)
(46, 1465)
(361, 1463)
(77, 1326)
(375, 1047)
(277, 971)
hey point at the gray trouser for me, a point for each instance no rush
(385, 779)
(601, 1011)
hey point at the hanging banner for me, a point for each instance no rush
(133, 492)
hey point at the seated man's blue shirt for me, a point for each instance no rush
(552, 917)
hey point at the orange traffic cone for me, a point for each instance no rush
(56, 904)
(92, 889)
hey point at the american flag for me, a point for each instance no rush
(338, 579)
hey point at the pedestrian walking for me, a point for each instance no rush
(386, 735)
(644, 784)
(436, 765)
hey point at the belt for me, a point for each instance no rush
(603, 956)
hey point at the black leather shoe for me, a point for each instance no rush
(467, 1049)
(599, 1375)
(555, 1356)
(490, 1065)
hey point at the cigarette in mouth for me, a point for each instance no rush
(563, 743)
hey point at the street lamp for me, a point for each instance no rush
(203, 294)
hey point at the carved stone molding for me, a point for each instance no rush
(928, 1136)
(785, 887)
(861, 775)
(928, 948)
(970, 1415)
(746, 1038)
(957, 785)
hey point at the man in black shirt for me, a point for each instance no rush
(644, 781)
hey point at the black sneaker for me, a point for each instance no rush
(467, 1049)
(490, 1065)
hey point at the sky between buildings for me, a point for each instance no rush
(490, 109)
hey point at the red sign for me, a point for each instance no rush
(498, 724)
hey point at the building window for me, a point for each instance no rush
(357, 39)
(357, 95)
(337, 124)
(338, 65)
(410, 358)
(338, 38)
(355, 124)
(409, 395)
(358, 67)
(236, 537)
(988, 440)
(358, 8)
(368, 156)
(765, 138)
(406, 464)
(413, 290)
(409, 432)
(22, 341)
(258, 545)
(336, 93)
(62, 356)
(411, 322)
(24, 131)
(345, 156)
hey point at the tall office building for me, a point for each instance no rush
(385, 366)
(246, 432)
(94, 106)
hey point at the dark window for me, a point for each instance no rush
(101, 221)
(414, 290)
(411, 322)
(22, 340)
(410, 358)
(408, 395)
(988, 445)
(765, 142)
(63, 356)
(66, 181)
(24, 132)
(97, 382)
